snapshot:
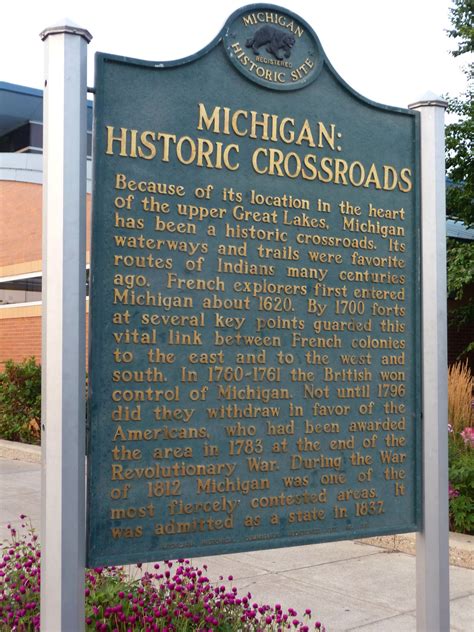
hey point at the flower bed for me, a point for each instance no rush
(461, 480)
(172, 597)
(461, 449)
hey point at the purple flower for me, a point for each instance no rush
(468, 436)
(452, 492)
(155, 602)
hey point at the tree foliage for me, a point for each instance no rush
(460, 159)
(460, 134)
(460, 168)
(461, 267)
(462, 15)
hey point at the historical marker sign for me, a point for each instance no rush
(254, 366)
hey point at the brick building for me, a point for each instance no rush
(21, 116)
(21, 177)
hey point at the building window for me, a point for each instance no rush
(26, 138)
(25, 289)
(29, 138)
(20, 290)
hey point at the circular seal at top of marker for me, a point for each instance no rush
(273, 47)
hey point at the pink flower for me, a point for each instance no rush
(468, 436)
(452, 492)
(184, 593)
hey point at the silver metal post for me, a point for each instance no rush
(432, 543)
(63, 351)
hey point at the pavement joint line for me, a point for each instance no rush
(246, 586)
(249, 577)
(360, 600)
(256, 567)
(398, 612)
(463, 596)
(345, 559)
(239, 578)
(383, 620)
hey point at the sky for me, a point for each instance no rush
(392, 52)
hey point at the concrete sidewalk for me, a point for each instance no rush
(348, 585)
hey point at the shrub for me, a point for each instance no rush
(461, 449)
(20, 401)
(172, 597)
(460, 386)
(461, 481)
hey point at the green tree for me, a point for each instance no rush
(462, 22)
(460, 166)
(460, 134)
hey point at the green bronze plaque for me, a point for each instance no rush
(254, 373)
